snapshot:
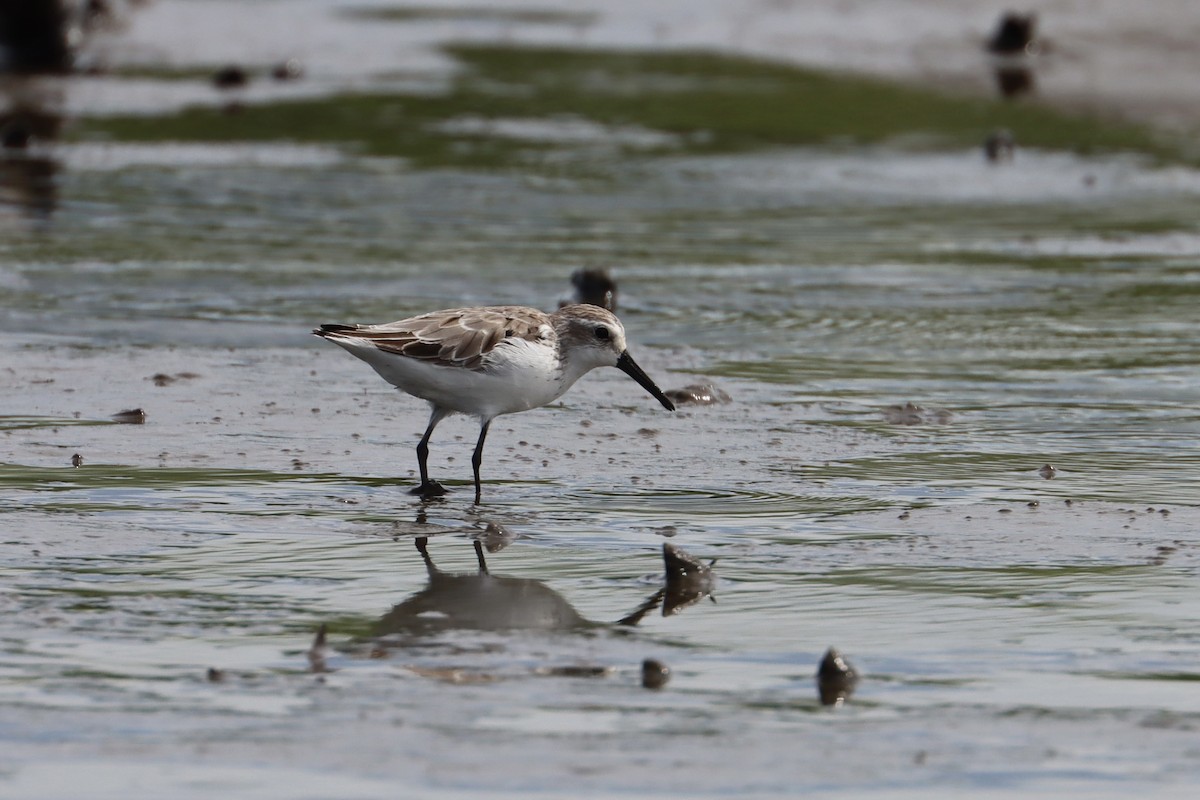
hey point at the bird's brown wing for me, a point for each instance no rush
(458, 337)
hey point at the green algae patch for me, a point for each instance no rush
(632, 101)
(523, 16)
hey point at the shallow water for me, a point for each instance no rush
(1015, 633)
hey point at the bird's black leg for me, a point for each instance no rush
(479, 557)
(428, 488)
(477, 457)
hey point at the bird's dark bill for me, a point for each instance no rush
(627, 365)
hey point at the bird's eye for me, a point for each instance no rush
(601, 332)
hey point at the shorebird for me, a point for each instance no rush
(488, 361)
(594, 286)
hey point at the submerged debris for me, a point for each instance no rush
(316, 654)
(655, 674)
(130, 416)
(456, 676)
(576, 671)
(495, 537)
(215, 675)
(836, 679)
(699, 394)
(1047, 471)
(77, 460)
(1161, 553)
(912, 414)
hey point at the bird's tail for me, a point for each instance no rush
(325, 330)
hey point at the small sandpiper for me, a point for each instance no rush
(488, 361)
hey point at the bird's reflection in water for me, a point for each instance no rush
(482, 601)
(1013, 79)
(478, 601)
(28, 169)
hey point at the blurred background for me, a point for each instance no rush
(527, 87)
(293, 134)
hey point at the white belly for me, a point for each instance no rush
(518, 376)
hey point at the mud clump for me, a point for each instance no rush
(655, 674)
(130, 416)
(836, 679)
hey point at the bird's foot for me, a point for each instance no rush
(429, 489)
